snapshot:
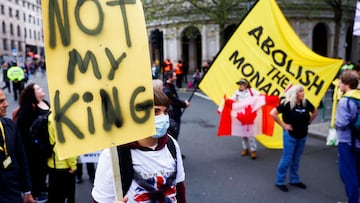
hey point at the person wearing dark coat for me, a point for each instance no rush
(15, 180)
(32, 105)
(176, 104)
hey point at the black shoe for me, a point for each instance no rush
(42, 198)
(183, 156)
(283, 188)
(299, 185)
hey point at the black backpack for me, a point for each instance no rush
(39, 136)
(126, 166)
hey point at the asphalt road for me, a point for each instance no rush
(215, 171)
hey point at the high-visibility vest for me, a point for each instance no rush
(168, 66)
(347, 67)
(15, 73)
(178, 69)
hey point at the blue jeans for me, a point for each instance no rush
(348, 170)
(292, 151)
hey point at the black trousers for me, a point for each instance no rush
(61, 186)
(90, 167)
(38, 172)
(179, 80)
(18, 86)
(7, 85)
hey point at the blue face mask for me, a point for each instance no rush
(162, 123)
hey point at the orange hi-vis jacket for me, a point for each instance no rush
(179, 68)
(168, 66)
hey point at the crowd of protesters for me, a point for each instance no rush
(19, 160)
(184, 76)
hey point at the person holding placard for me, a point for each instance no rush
(62, 173)
(151, 168)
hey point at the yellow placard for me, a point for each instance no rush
(265, 50)
(98, 70)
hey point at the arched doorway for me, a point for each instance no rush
(191, 48)
(156, 47)
(348, 45)
(320, 39)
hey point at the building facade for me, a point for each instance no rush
(21, 35)
(313, 21)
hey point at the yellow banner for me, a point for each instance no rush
(98, 70)
(265, 50)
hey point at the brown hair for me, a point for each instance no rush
(28, 95)
(351, 78)
(160, 98)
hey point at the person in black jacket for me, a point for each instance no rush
(176, 104)
(32, 104)
(6, 80)
(15, 180)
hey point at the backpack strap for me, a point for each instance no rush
(171, 146)
(352, 121)
(126, 166)
(348, 107)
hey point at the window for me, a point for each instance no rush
(30, 34)
(11, 29)
(5, 44)
(10, 12)
(17, 15)
(13, 44)
(25, 34)
(3, 27)
(18, 31)
(2, 9)
(20, 46)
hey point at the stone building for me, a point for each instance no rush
(21, 29)
(313, 21)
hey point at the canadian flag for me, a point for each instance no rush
(248, 117)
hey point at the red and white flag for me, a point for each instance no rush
(248, 117)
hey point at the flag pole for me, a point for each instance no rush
(116, 173)
(193, 92)
(189, 99)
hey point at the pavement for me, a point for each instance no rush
(319, 130)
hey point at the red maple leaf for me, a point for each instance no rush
(248, 117)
